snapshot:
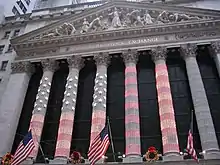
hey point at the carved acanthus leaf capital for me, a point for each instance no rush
(102, 59)
(159, 53)
(130, 56)
(21, 67)
(49, 64)
(75, 62)
(215, 47)
(188, 50)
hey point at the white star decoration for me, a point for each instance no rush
(75, 85)
(69, 87)
(100, 100)
(68, 94)
(48, 91)
(46, 98)
(38, 109)
(76, 77)
(46, 78)
(67, 102)
(44, 85)
(70, 79)
(45, 105)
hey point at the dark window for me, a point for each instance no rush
(10, 48)
(1, 48)
(4, 65)
(0, 80)
(28, 2)
(16, 33)
(21, 5)
(149, 111)
(15, 11)
(7, 34)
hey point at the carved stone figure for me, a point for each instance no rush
(66, 29)
(85, 26)
(147, 18)
(134, 18)
(116, 22)
(182, 17)
(163, 17)
(96, 24)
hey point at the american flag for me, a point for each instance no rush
(99, 146)
(190, 147)
(24, 149)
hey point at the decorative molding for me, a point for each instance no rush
(215, 46)
(75, 62)
(159, 53)
(188, 50)
(193, 35)
(102, 59)
(49, 65)
(21, 67)
(130, 56)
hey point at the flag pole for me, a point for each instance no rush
(191, 124)
(110, 134)
(41, 150)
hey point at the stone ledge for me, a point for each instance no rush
(184, 162)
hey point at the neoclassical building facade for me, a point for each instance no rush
(138, 43)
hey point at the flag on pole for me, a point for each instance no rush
(24, 149)
(190, 146)
(99, 146)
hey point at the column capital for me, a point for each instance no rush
(130, 56)
(102, 58)
(159, 53)
(75, 62)
(49, 64)
(21, 67)
(188, 50)
(215, 46)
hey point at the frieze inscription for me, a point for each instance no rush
(195, 35)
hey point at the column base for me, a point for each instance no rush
(212, 154)
(59, 160)
(132, 159)
(173, 156)
(28, 161)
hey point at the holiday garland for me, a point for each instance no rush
(151, 154)
(7, 159)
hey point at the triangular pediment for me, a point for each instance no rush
(118, 15)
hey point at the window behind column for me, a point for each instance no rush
(83, 112)
(28, 106)
(211, 83)
(182, 100)
(116, 106)
(149, 112)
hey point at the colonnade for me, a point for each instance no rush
(132, 120)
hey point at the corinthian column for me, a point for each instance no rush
(132, 121)
(99, 96)
(12, 103)
(40, 106)
(166, 110)
(201, 106)
(215, 53)
(68, 112)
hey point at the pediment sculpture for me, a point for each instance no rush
(120, 19)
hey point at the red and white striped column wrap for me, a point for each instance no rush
(40, 106)
(132, 121)
(166, 110)
(68, 109)
(99, 96)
